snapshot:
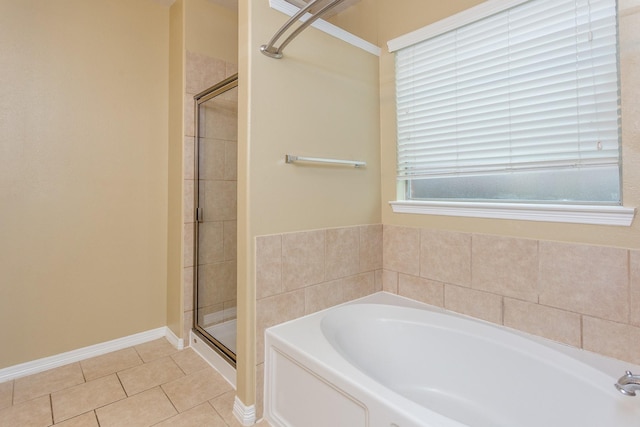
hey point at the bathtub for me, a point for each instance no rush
(386, 361)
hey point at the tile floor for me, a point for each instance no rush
(151, 384)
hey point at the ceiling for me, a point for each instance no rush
(233, 4)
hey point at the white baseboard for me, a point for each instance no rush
(213, 358)
(245, 414)
(39, 365)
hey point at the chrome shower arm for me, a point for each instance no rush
(276, 52)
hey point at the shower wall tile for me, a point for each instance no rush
(231, 69)
(421, 289)
(189, 157)
(274, 310)
(471, 302)
(446, 257)
(585, 279)
(189, 115)
(547, 322)
(378, 280)
(303, 259)
(211, 242)
(268, 266)
(230, 161)
(216, 283)
(203, 71)
(230, 240)
(211, 163)
(505, 266)
(634, 276)
(613, 339)
(188, 245)
(187, 279)
(342, 252)
(401, 249)
(321, 296)
(221, 120)
(370, 247)
(220, 200)
(189, 202)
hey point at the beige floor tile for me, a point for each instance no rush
(155, 349)
(224, 405)
(34, 413)
(201, 415)
(47, 382)
(189, 361)
(196, 388)
(143, 409)
(85, 420)
(110, 363)
(86, 397)
(149, 375)
(6, 394)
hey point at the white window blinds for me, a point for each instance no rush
(532, 88)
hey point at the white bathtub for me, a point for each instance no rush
(385, 361)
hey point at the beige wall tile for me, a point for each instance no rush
(547, 322)
(201, 415)
(203, 71)
(358, 286)
(446, 257)
(155, 349)
(189, 115)
(268, 266)
(585, 279)
(36, 413)
(220, 200)
(144, 377)
(378, 281)
(505, 266)
(401, 249)
(6, 394)
(82, 398)
(611, 339)
(188, 157)
(634, 275)
(342, 252)
(211, 159)
(390, 281)
(421, 289)
(32, 386)
(210, 242)
(188, 244)
(478, 304)
(221, 119)
(303, 259)
(110, 363)
(144, 409)
(189, 203)
(321, 296)
(274, 310)
(196, 388)
(230, 240)
(230, 161)
(188, 325)
(85, 420)
(217, 283)
(370, 247)
(187, 281)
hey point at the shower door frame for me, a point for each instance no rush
(204, 96)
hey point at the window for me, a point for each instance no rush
(520, 106)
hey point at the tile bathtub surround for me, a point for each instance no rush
(582, 295)
(151, 384)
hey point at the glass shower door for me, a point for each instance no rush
(216, 211)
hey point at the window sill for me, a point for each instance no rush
(578, 214)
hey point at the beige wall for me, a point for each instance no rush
(83, 181)
(405, 16)
(320, 100)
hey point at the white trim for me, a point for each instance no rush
(465, 17)
(246, 415)
(578, 214)
(173, 339)
(40, 365)
(213, 359)
(324, 26)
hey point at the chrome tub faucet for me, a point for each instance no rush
(628, 384)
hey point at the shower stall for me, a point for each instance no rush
(216, 112)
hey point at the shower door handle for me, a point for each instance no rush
(199, 215)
